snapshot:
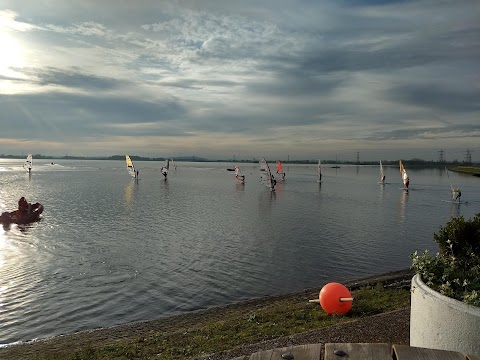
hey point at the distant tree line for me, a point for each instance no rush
(409, 163)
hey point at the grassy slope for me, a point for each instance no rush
(213, 331)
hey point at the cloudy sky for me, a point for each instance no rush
(307, 79)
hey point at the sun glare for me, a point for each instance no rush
(12, 55)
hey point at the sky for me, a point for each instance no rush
(305, 79)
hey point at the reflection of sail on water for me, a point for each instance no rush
(28, 163)
(130, 166)
(403, 205)
(266, 176)
(129, 193)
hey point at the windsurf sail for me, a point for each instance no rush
(404, 174)
(456, 193)
(266, 176)
(238, 174)
(280, 169)
(28, 163)
(130, 166)
(174, 164)
(382, 175)
(164, 169)
(451, 187)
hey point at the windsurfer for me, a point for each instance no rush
(280, 169)
(164, 171)
(136, 175)
(383, 179)
(456, 194)
(407, 182)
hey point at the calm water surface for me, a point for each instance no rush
(110, 250)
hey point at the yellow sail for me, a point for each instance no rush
(130, 167)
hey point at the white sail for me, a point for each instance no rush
(28, 163)
(266, 176)
(455, 192)
(130, 166)
(448, 176)
(238, 174)
(382, 175)
(174, 164)
(403, 172)
(164, 169)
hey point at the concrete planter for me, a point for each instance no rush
(440, 322)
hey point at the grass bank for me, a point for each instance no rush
(473, 170)
(218, 329)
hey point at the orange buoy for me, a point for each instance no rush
(335, 298)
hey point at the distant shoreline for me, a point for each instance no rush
(472, 170)
(412, 163)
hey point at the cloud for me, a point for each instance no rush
(70, 78)
(298, 74)
(438, 99)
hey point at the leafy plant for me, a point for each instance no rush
(455, 270)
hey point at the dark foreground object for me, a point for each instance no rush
(10, 217)
(356, 351)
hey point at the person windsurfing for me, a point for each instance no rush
(456, 194)
(280, 169)
(405, 178)
(238, 174)
(164, 171)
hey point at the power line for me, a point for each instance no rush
(468, 156)
(441, 156)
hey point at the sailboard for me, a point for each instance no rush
(238, 175)
(28, 163)
(455, 201)
(405, 178)
(319, 170)
(280, 170)
(382, 174)
(130, 167)
(266, 176)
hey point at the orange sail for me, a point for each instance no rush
(279, 167)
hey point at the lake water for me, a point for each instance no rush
(110, 250)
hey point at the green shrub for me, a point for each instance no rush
(455, 270)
